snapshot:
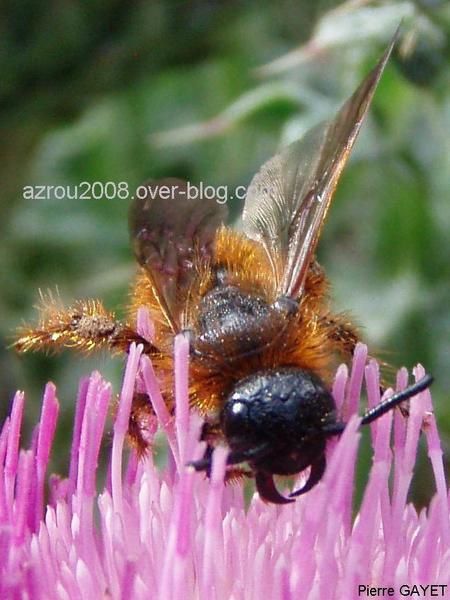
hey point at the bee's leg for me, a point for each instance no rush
(141, 424)
(204, 463)
(342, 333)
(234, 458)
(85, 326)
(211, 434)
(345, 337)
(236, 474)
(232, 475)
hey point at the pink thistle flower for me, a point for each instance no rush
(172, 534)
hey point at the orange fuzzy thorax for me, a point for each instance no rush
(304, 341)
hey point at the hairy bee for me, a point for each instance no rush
(253, 303)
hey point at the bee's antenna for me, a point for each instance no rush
(386, 405)
(383, 407)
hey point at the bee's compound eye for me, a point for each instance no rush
(235, 417)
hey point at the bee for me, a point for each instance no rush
(253, 303)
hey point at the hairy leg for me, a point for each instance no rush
(341, 333)
(142, 424)
(86, 325)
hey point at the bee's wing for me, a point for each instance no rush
(289, 197)
(171, 225)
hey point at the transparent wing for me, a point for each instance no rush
(172, 225)
(288, 199)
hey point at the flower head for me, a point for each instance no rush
(171, 533)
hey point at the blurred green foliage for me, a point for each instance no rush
(123, 91)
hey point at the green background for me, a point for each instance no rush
(125, 91)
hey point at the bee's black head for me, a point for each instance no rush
(276, 420)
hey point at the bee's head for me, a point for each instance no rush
(276, 420)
